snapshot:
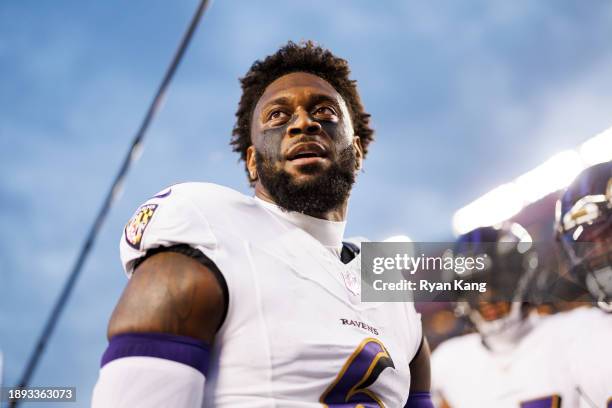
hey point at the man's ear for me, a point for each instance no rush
(358, 152)
(251, 163)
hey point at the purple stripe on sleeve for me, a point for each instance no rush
(163, 193)
(182, 349)
(419, 400)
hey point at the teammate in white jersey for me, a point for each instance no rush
(237, 301)
(584, 233)
(509, 361)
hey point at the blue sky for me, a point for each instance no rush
(463, 95)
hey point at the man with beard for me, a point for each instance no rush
(238, 301)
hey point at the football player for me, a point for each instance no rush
(508, 362)
(239, 301)
(584, 235)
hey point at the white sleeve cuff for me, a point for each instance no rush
(139, 382)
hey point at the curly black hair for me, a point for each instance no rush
(303, 57)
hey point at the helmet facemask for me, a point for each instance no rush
(584, 231)
(499, 315)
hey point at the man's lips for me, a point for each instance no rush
(303, 161)
(306, 152)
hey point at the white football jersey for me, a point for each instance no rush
(589, 355)
(296, 333)
(467, 374)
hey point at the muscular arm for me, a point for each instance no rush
(420, 379)
(420, 370)
(160, 335)
(170, 293)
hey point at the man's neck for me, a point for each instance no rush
(338, 214)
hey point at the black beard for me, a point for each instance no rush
(324, 193)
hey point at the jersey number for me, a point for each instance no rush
(362, 368)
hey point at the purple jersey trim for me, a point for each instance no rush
(182, 349)
(163, 194)
(419, 400)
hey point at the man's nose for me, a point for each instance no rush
(304, 124)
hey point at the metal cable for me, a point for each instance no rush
(108, 201)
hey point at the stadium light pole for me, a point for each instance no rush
(110, 198)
